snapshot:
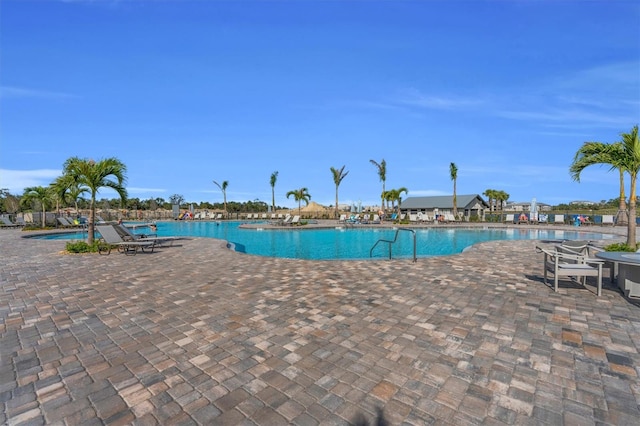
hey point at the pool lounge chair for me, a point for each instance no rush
(566, 265)
(295, 220)
(510, 218)
(343, 218)
(6, 223)
(608, 219)
(112, 239)
(127, 235)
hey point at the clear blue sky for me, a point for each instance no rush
(187, 92)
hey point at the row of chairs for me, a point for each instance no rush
(559, 219)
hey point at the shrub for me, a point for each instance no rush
(620, 247)
(82, 247)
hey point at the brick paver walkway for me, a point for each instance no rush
(196, 334)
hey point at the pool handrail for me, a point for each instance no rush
(395, 237)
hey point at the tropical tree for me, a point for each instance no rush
(491, 196)
(382, 174)
(453, 172)
(38, 195)
(68, 190)
(272, 182)
(93, 176)
(395, 195)
(501, 198)
(300, 195)
(625, 156)
(223, 188)
(338, 175)
(591, 153)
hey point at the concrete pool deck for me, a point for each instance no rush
(198, 334)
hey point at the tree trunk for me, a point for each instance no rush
(91, 225)
(631, 226)
(622, 217)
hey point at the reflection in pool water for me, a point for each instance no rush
(351, 243)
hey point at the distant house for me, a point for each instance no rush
(467, 205)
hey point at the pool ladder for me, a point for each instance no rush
(395, 237)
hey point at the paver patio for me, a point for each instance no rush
(197, 334)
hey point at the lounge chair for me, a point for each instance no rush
(295, 220)
(127, 235)
(510, 218)
(287, 220)
(376, 219)
(608, 219)
(572, 266)
(343, 218)
(263, 216)
(558, 219)
(6, 223)
(111, 237)
(65, 222)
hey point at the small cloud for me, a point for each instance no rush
(17, 180)
(7, 92)
(417, 99)
(136, 190)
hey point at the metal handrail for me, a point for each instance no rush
(395, 237)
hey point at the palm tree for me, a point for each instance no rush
(92, 176)
(491, 196)
(338, 175)
(501, 198)
(68, 190)
(300, 195)
(624, 156)
(453, 171)
(382, 173)
(223, 188)
(394, 195)
(272, 182)
(591, 153)
(41, 195)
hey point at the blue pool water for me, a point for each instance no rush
(351, 243)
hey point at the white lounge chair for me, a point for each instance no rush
(510, 218)
(558, 219)
(608, 219)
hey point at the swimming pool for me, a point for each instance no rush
(350, 243)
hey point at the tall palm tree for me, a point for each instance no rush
(453, 172)
(624, 156)
(591, 153)
(41, 195)
(223, 188)
(272, 182)
(92, 176)
(300, 195)
(338, 175)
(382, 173)
(501, 198)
